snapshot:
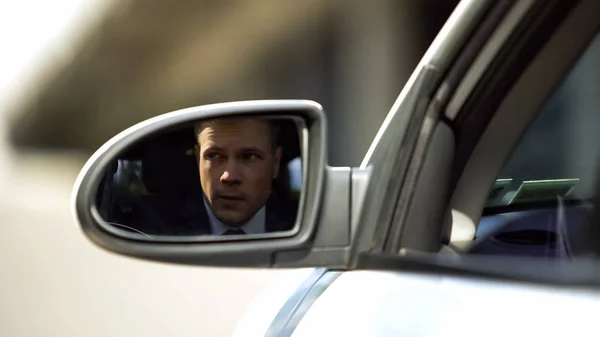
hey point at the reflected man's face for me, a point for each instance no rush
(237, 163)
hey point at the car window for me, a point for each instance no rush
(295, 169)
(540, 205)
(558, 155)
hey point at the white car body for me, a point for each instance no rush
(380, 303)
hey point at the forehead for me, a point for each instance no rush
(223, 133)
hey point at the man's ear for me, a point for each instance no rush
(276, 161)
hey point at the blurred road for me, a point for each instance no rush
(56, 283)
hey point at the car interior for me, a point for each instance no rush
(165, 168)
(560, 162)
(534, 169)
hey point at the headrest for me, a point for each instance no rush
(169, 165)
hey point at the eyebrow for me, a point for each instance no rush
(212, 148)
(244, 149)
(252, 149)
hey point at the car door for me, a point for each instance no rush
(374, 303)
(378, 303)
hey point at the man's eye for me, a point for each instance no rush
(213, 156)
(249, 156)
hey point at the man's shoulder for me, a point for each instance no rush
(281, 213)
(194, 212)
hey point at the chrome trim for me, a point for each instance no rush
(291, 305)
(307, 301)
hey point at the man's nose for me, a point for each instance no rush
(231, 174)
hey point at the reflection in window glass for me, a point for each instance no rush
(559, 152)
(295, 169)
(540, 205)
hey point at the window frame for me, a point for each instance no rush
(480, 167)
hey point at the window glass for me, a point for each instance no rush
(541, 204)
(295, 169)
(559, 152)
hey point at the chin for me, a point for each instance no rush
(231, 219)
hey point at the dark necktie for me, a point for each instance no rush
(234, 232)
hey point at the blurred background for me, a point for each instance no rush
(73, 73)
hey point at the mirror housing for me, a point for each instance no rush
(323, 236)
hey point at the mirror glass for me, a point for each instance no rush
(225, 176)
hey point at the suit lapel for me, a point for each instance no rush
(277, 217)
(194, 216)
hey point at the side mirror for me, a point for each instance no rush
(232, 184)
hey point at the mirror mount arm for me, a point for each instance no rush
(330, 244)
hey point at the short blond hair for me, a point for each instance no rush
(273, 124)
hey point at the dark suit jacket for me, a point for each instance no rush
(159, 215)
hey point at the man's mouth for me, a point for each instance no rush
(230, 197)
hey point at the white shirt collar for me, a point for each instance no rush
(256, 225)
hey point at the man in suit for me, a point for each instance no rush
(237, 163)
(238, 159)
